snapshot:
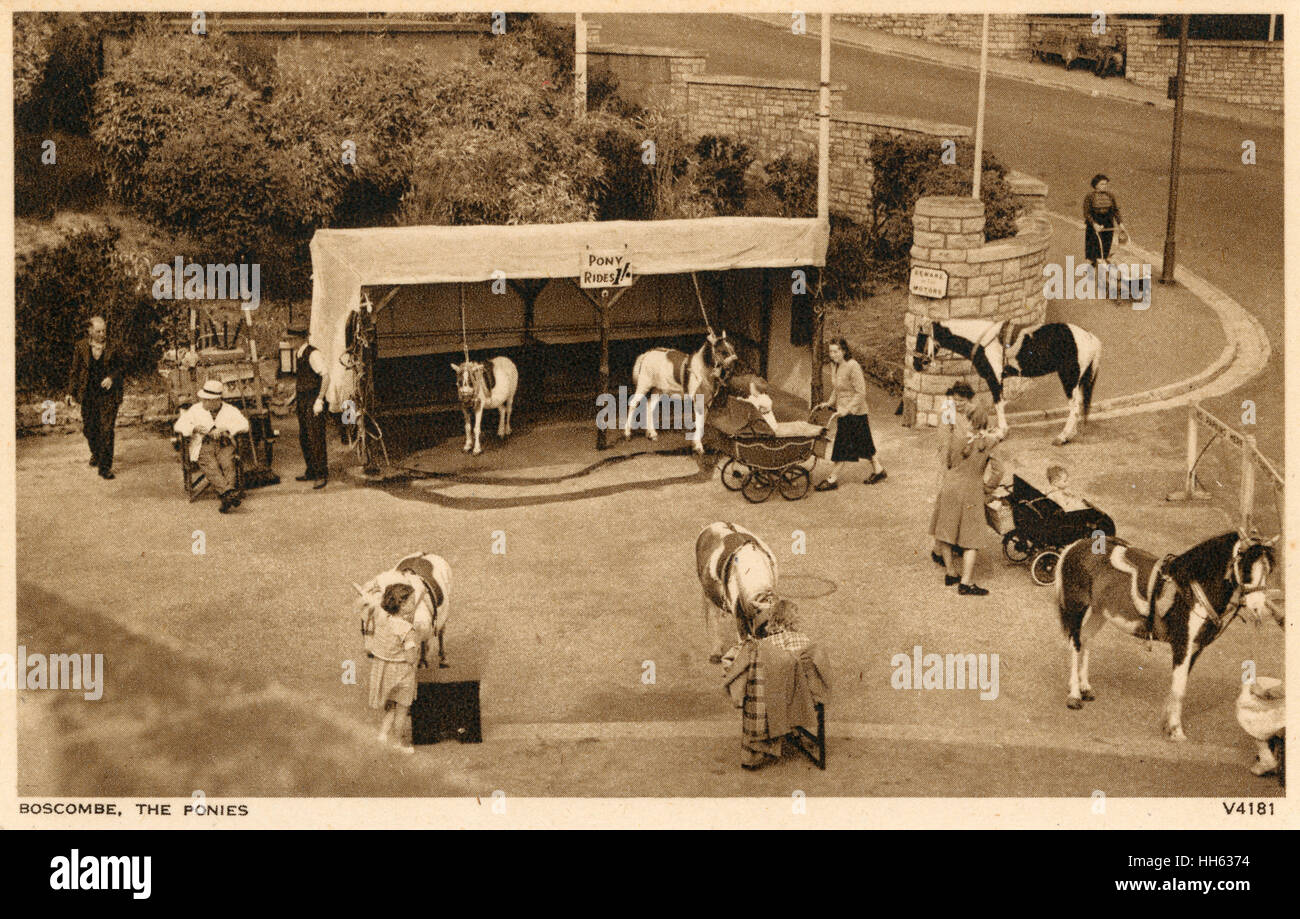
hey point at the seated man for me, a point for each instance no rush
(210, 425)
(775, 677)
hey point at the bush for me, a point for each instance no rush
(784, 187)
(71, 181)
(165, 84)
(904, 169)
(724, 162)
(60, 287)
(32, 34)
(63, 96)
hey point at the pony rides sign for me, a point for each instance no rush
(605, 268)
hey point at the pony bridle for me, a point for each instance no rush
(1241, 589)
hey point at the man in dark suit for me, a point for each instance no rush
(310, 389)
(96, 382)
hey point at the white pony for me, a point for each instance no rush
(738, 573)
(428, 578)
(696, 377)
(484, 386)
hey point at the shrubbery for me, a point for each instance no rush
(59, 287)
(164, 85)
(904, 169)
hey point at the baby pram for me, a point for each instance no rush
(1033, 525)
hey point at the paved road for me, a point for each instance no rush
(1230, 214)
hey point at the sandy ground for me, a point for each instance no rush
(225, 669)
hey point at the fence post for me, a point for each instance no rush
(1248, 482)
(1190, 491)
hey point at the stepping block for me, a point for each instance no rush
(445, 708)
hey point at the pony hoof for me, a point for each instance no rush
(1262, 770)
(1060, 441)
(652, 436)
(478, 450)
(1074, 702)
(467, 448)
(1088, 695)
(1176, 735)
(715, 658)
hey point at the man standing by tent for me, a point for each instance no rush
(310, 397)
(96, 382)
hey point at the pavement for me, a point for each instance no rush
(226, 668)
(1039, 73)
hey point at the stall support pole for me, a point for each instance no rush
(603, 304)
(602, 441)
(1248, 483)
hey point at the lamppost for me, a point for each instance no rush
(1180, 89)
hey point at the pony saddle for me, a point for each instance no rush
(1144, 571)
(423, 569)
(489, 378)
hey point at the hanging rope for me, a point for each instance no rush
(699, 298)
(464, 336)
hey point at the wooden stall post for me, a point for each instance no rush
(603, 304)
(1248, 483)
(602, 308)
(1190, 490)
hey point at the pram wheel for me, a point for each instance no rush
(1043, 570)
(758, 486)
(794, 482)
(1016, 550)
(732, 477)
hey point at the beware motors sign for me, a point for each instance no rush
(928, 282)
(605, 268)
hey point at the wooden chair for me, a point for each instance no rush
(195, 481)
(809, 744)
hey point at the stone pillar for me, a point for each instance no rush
(996, 281)
(944, 231)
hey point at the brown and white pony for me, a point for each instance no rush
(696, 377)
(486, 386)
(423, 579)
(1184, 600)
(738, 574)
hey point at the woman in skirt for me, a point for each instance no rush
(1101, 221)
(849, 400)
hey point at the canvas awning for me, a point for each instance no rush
(344, 261)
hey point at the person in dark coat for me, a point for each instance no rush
(958, 520)
(1101, 220)
(96, 383)
(313, 378)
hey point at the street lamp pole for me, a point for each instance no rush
(1167, 269)
(979, 114)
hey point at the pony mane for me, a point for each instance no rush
(1205, 562)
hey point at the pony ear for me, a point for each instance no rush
(1273, 541)
(455, 368)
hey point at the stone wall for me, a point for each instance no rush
(440, 43)
(1008, 33)
(780, 116)
(994, 281)
(652, 77)
(1246, 73)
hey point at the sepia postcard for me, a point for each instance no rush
(657, 415)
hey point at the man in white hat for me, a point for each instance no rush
(210, 426)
